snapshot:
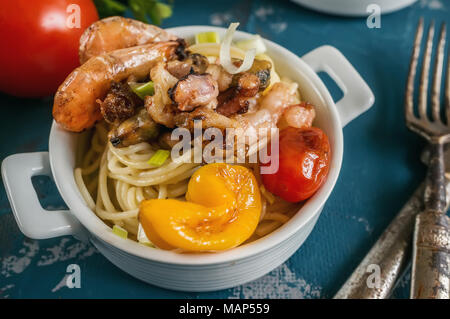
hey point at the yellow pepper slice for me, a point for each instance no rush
(222, 211)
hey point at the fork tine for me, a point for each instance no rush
(409, 100)
(437, 77)
(423, 86)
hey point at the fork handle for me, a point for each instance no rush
(434, 195)
(430, 275)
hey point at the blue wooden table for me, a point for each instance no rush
(381, 166)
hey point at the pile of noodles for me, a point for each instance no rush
(114, 181)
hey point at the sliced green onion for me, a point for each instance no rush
(255, 42)
(207, 37)
(143, 90)
(142, 237)
(159, 157)
(119, 231)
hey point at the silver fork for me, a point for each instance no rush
(431, 244)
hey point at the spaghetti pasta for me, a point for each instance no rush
(114, 181)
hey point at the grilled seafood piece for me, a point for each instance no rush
(136, 129)
(115, 33)
(299, 115)
(260, 68)
(119, 104)
(195, 90)
(166, 141)
(272, 105)
(209, 118)
(179, 69)
(75, 107)
(235, 100)
(159, 106)
(192, 63)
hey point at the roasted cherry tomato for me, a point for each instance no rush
(304, 159)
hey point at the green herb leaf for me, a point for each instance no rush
(165, 11)
(143, 10)
(140, 8)
(108, 8)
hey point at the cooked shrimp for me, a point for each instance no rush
(300, 116)
(75, 107)
(271, 108)
(115, 33)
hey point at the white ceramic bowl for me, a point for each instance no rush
(192, 272)
(357, 8)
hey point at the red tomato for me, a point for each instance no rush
(40, 43)
(304, 159)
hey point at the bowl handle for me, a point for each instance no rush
(358, 97)
(33, 220)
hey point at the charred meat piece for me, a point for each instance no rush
(119, 104)
(235, 99)
(229, 102)
(194, 90)
(260, 68)
(136, 129)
